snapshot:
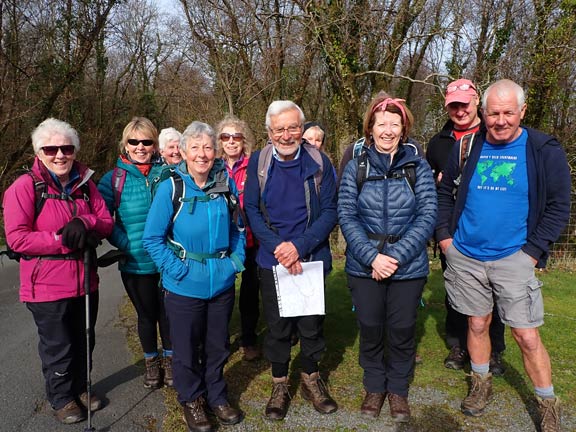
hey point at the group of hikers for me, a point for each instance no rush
(188, 212)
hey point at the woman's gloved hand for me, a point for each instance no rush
(73, 234)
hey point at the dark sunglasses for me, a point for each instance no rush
(67, 150)
(237, 137)
(146, 142)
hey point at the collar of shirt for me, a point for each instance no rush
(277, 156)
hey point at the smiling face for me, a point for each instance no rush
(171, 152)
(464, 115)
(502, 117)
(387, 131)
(199, 156)
(60, 164)
(232, 142)
(314, 136)
(285, 132)
(139, 153)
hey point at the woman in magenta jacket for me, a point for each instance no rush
(235, 145)
(51, 241)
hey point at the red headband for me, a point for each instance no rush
(396, 102)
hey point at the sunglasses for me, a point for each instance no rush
(463, 87)
(67, 150)
(237, 137)
(144, 142)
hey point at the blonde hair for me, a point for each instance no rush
(139, 124)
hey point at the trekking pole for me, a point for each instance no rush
(87, 258)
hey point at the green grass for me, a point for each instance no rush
(249, 384)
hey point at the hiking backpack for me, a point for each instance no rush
(40, 196)
(264, 161)
(362, 175)
(465, 147)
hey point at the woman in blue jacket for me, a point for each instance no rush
(199, 248)
(387, 218)
(127, 190)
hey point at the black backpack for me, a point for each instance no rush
(362, 175)
(40, 196)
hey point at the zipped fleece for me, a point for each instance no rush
(548, 192)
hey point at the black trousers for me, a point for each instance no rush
(249, 302)
(457, 324)
(277, 344)
(62, 345)
(386, 313)
(199, 330)
(147, 297)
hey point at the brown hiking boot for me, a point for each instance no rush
(70, 413)
(314, 390)
(372, 404)
(228, 415)
(95, 401)
(457, 358)
(550, 413)
(195, 416)
(167, 367)
(479, 394)
(399, 408)
(250, 353)
(277, 405)
(152, 374)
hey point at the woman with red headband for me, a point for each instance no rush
(387, 216)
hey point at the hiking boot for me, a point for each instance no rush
(497, 368)
(95, 401)
(314, 390)
(277, 405)
(153, 374)
(479, 395)
(167, 367)
(550, 413)
(70, 413)
(399, 408)
(195, 416)
(372, 404)
(250, 353)
(228, 415)
(456, 359)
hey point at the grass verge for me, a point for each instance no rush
(436, 392)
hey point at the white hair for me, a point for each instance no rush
(502, 87)
(167, 135)
(196, 129)
(280, 106)
(50, 127)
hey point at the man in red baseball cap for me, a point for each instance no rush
(461, 104)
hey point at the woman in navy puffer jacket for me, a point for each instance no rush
(386, 221)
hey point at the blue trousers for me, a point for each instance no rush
(200, 344)
(62, 345)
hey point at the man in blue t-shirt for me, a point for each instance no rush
(290, 201)
(512, 202)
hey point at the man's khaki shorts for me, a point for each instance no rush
(473, 286)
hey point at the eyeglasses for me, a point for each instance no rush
(144, 142)
(292, 130)
(67, 150)
(237, 137)
(463, 87)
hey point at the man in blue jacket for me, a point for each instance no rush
(290, 201)
(512, 202)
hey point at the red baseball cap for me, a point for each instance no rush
(461, 90)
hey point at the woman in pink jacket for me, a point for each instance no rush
(236, 141)
(51, 215)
